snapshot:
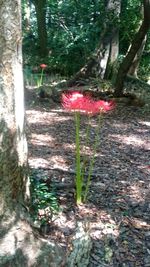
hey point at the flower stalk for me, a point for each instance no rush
(92, 161)
(78, 161)
(41, 78)
(40, 82)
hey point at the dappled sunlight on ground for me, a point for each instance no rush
(36, 116)
(118, 206)
(41, 139)
(51, 162)
(137, 192)
(131, 140)
(36, 163)
(147, 123)
(104, 226)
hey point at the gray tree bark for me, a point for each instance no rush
(19, 245)
(109, 47)
(13, 145)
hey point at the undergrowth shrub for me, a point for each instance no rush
(44, 204)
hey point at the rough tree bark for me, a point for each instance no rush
(19, 246)
(114, 8)
(107, 52)
(135, 46)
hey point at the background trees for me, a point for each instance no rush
(40, 9)
(77, 31)
(136, 44)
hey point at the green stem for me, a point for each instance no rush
(41, 79)
(78, 162)
(92, 160)
(86, 144)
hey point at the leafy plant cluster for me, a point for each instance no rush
(44, 204)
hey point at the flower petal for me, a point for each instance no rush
(76, 101)
(43, 66)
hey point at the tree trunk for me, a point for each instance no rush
(135, 46)
(113, 54)
(108, 48)
(13, 146)
(136, 61)
(40, 8)
(112, 39)
(19, 247)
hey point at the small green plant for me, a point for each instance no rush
(40, 81)
(44, 203)
(28, 76)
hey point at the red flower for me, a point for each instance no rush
(76, 101)
(105, 106)
(43, 66)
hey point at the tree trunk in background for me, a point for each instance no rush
(112, 40)
(135, 46)
(19, 247)
(113, 54)
(107, 52)
(136, 61)
(40, 9)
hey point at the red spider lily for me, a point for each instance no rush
(80, 103)
(76, 101)
(43, 66)
(105, 106)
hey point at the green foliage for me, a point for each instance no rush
(74, 29)
(130, 17)
(144, 68)
(44, 202)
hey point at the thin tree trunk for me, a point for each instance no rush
(40, 8)
(135, 64)
(113, 54)
(135, 46)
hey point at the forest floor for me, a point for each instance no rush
(117, 212)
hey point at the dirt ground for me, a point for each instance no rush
(117, 211)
